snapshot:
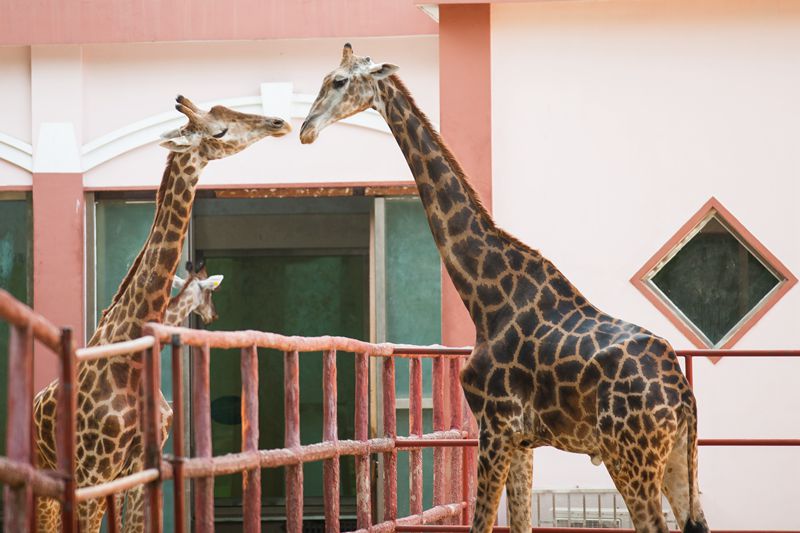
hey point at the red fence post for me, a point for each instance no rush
(438, 425)
(469, 470)
(66, 423)
(291, 412)
(203, 487)
(18, 509)
(415, 430)
(251, 479)
(151, 390)
(178, 449)
(690, 370)
(363, 488)
(330, 473)
(112, 518)
(456, 458)
(390, 432)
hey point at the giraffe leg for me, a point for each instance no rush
(48, 515)
(640, 487)
(134, 511)
(676, 487)
(90, 515)
(493, 464)
(518, 488)
(676, 480)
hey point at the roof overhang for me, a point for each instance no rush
(23, 22)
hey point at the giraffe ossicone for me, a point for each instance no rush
(109, 440)
(548, 368)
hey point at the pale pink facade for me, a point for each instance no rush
(612, 124)
(609, 124)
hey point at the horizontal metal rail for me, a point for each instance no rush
(103, 351)
(116, 486)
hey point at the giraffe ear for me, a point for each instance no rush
(212, 283)
(383, 70)
(180, 143)
(177, 282)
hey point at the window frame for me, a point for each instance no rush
(712, 209)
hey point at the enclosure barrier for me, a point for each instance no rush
(453, 439)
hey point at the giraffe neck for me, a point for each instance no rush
(465, 234)
(181, 305)
(144, 294)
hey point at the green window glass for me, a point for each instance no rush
(15, 275)
(413, 316)
(715, 280)
(121, 227)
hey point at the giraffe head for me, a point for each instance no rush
(348, 89)
(196, 292)
(219, 132)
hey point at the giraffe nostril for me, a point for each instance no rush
(277, 122)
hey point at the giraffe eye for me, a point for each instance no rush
(221, 134)
(338, 83)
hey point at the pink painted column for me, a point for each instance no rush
(58, 252)
(465, 99)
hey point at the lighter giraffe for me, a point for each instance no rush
(548, 368)
(108, 433)
(195, 295)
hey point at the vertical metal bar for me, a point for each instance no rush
(690, 370)
(294, 473)
(584, 509)
(363, 493)
(415, 429)
(456, 458)
(538, 509)
(251, 479)
(65, 423)
(469, 470)
(330, 473)
(569, 509)
(615, 509)
(554, 509)
(439, 483)
(390, 431)
(201, 404)
(178, 449)
(112, 520)
(18, 507)
(600, 510)
(151, 391)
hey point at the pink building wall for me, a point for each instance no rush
(613, 122)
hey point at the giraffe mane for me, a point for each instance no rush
(126, 281)
(456, 166)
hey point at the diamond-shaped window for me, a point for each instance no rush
(714, 280)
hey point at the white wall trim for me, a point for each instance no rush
(277, 99)
(16, 152)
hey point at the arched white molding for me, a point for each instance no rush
(276, 99)
(16, 152)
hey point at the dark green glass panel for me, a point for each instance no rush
(305, 295)
(15, 276)
(121, 229)
(413, 316)
(715, 280)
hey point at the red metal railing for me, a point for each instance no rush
(17, 471)
(453, 437)
(452, 479)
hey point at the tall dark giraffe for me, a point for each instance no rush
(548, 368)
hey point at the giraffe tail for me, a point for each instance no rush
(696, 523)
